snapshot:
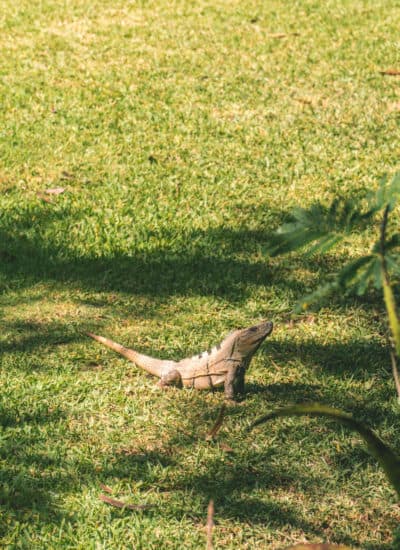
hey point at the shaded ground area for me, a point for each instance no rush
(220, 261)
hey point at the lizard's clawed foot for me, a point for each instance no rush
(161, 386)
(172, 378)
(231, 402)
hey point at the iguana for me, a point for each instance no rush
(224, 365)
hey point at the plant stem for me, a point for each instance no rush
(390, 303)
(395, 373)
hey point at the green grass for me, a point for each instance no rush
(183, 133)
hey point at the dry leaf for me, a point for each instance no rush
(55, 191)
(304, 100)
(282, 34)
(106, 488)
(277, 35)
(119, 504)
(226, 448)
(394, 107)
(391, 72)
(44, 198)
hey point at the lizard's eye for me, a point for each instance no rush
(253, 329)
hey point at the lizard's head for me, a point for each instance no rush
(248, 340)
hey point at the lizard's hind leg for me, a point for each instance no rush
(171, 378)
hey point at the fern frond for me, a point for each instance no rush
(324, 226)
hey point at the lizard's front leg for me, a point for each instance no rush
(171, 378)
(230, 383)
(238, 382)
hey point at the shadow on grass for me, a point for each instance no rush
(212, 263)
(284, 394)
(360, 359)
(30, 335)
(28, 477)
(38, 473)
(221, 261)
(233, 481)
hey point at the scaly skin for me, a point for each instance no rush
(225, 365)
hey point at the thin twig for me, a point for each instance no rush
(217, 425)
(120, 504)
(395, 373)
(210, 524)
(391, 72)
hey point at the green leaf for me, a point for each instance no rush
(290, 240)
(323, 225)
(390, 244)
(377, 201)
(391, 308)
(387, 193)
(384, 454)
(324, 244)
(322, 292)
(358, 273)
(393, 242)
(365, 278)
(394, 190)
(326, 225)
(352, 270)
(393, 263)
(377, 274)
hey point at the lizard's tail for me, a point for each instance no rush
(153, 366)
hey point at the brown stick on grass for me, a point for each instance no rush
(120, 504)
(210, 524)
(217, 425)
(391, 72)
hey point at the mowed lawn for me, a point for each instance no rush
(181, 134)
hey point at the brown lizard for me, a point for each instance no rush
(225, 365)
